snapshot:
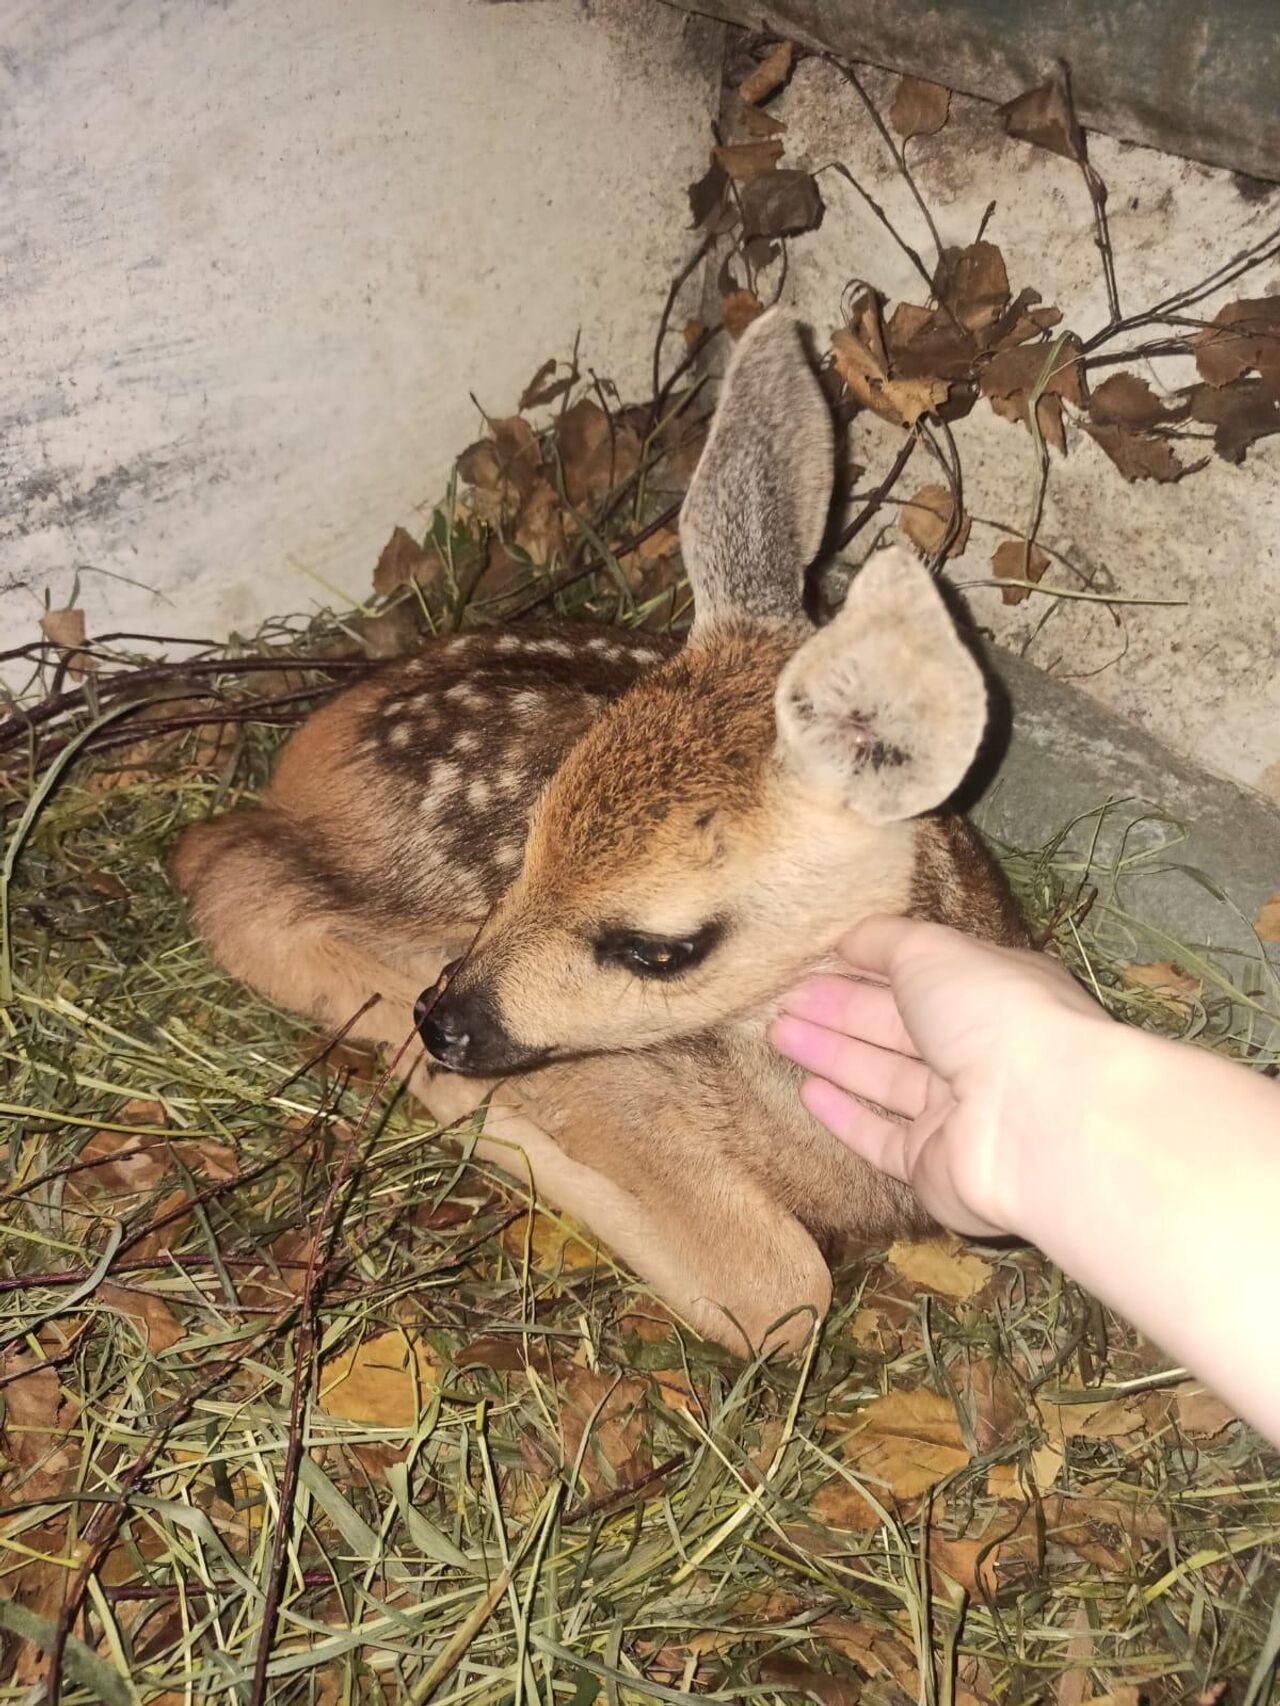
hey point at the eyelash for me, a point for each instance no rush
(627, 948)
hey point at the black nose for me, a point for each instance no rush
(463, 1031)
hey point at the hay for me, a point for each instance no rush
(233, 1262)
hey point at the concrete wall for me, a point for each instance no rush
(256, 253)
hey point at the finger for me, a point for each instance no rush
(873, 944)
(866, 1010)
(895, 1081)
(870, 1135)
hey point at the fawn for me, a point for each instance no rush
(645, 844)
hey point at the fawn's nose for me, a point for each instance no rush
(462, 1030)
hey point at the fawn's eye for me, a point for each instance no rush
(645, 955)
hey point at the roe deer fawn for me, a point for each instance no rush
(653, 841)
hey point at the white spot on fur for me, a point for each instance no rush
(509, 854)
(511, 783)
(479, 793)
(646, 654)
(399, 735)
(467, 741)
(526, 702)
(395, 708)
(509, 643)
(606, 648)
(441, 787)
(463, 693)
(423, 701)
(551, 648)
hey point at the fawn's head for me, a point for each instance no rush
(715, 831)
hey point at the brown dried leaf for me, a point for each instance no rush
(871, 1649)
(919, 108)
(1124, 400)
(391, 633)
(124, 1165)
(615, 1454)
(539, 528)
(1055, 368)
(901, 401)
(1267, 923)
(1138, 456)
(1044, 116)
(770, 74)
(674, 1389)
(707, 195)
(596, 455)
(910, 1440)
(65, 628)
(1017, 560)
(1161, 975)
(1008, 1480)
(554, 1246)
(1240, 413)
(518, 451)
(36, 1421)
(1200, 1414)
(745, 161)
(973, 284)
(940, 1265)
(151, 1315)
(781, 203)
(1105, 1418)
(544, 387)
(793, 1676)
(1244, 338)
(926, 520)
(382, 1380)
(1118, 1697)
(842, 1506)
(401, 561)
(757, 123)
(738, 309)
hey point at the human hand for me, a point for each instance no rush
(970, 1045)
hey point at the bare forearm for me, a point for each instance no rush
(1162, 1196)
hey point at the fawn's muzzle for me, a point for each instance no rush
(464, 1032)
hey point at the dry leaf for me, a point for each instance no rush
(840, 1505)
(1138, 456)
(1124, 400)
(995, 1400)
(1049, 372)
(974, 285)
(555, 1246)
(910, 1440)
(919, 108)
(382, 1380)
(595, 453)
(781, 203)
(1120, 1697)
(1161, 975)
(1267, 923)
(1044, 116)
(1245, 338)
(745, 161)
(65, 628)
(757, 123)
(675, 1391)
(926, 519)
(793, 1676)
(738, 309)
(615, 1455)
(1240, 414)
(151, 1315)
(1100, 1419)
(1017, 560)
(1045, 1463)
(770, 74)
(539, 528)
(545, 388)
(1073, 1684)
(901, 401)
(940, 1265)
(401, 561)
(707, 195)
(871, 1649)
(1201, 1415)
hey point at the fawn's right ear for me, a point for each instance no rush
(757, 506)
(886, 703)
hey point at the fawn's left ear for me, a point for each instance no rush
(757, 505)
(886, 702)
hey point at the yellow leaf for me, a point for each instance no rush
(675, 1391)
(1161, 975)
(940, 1265)
(1267, 923)
(554, 1245)
(1113, 1418)
(841, 1505)
(1006, 1480)
(380, 1380)
(910, 1441)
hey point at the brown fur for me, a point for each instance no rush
(560, 785)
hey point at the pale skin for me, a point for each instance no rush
(1148, 1169)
